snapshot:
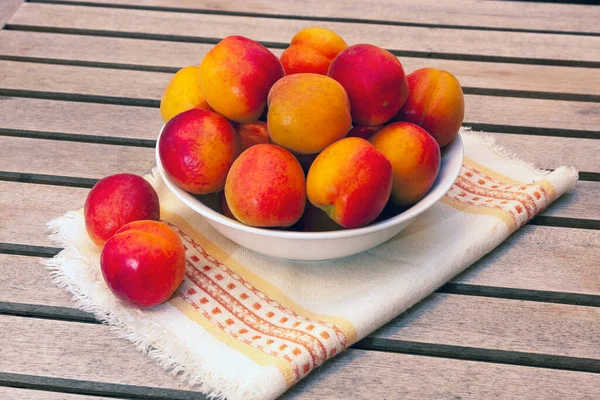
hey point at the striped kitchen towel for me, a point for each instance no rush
(246, 326)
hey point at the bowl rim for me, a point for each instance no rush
(422, 205)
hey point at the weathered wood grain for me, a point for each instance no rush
(76, 351)
(25, 281)
(551, 152)
(388, 377)
(449, 41)
(497, 14)
(500, 324)
(541, 258)
(83, 80)
(7, 9)
(106, 120)
(96, 354)
(551, 114)
(29, 207)
(8, 393)
(582, 202)
(88, 160)
(471, 321)
(127, 84)
(78, 118)
(163, 54)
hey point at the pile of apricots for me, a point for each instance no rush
(328, 136)
(340, 126)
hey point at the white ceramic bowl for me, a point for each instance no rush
(323, 245)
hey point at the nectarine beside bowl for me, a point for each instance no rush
(312, 246)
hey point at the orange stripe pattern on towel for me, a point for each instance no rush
(516, 202)
(250, 316)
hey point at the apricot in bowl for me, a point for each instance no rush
(320, 245)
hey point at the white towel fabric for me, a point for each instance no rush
(246, 326)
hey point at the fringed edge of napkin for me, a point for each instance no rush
(190, 372)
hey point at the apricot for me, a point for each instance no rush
(298, 59)
(435, 103)
(265, 187)
(115, 201)
(236, 75)
(415, 158)
(197, 148)
(252, 133)
(182, 94)
(312, 50)
(307, 112)
(374, 80)
(143, 263)
(351, 181)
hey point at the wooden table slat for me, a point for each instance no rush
(86, 160)
(413, 376)
(562, 260)
(7, 9)
(139, 53)
(76, 118)
(423, 40)
(582, 202)
(500, 324)
(76, 351)
(372, 374)
(499, 14)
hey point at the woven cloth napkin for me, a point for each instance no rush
(246, 326)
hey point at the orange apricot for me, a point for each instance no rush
(266, 187)
(236, 76)
(374, 80)
(415, 159)
(351, 181)
(307, 112)
(182, 94)
(312, 50)
(435, 103)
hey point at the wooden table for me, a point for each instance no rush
(80, 83)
